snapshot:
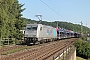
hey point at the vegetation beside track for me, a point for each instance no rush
(11, 20)
(15, 50)
(20, 49)
(83, 48)
(79, 58)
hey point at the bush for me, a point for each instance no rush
(84, 38)
(83, 48)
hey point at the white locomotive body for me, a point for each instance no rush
(39, 33)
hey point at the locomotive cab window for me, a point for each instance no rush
(34, 27)
(29, 28)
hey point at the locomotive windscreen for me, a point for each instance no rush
(31, 28)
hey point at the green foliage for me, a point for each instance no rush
(11, 21)
(15, 50)
(83, 48)
(83, 38)
(79, 58)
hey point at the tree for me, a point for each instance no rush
(11, 21)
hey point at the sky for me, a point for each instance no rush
(73, 11)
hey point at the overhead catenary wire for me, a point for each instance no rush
(52, 9)
(37, 14)
(54, 4)
(56, 8)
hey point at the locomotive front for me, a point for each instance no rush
(31, 33)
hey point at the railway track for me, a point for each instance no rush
(45, 51)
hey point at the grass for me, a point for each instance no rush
(79, 58)
(15, 50)
(3, 46)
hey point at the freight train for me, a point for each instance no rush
(38, 33)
